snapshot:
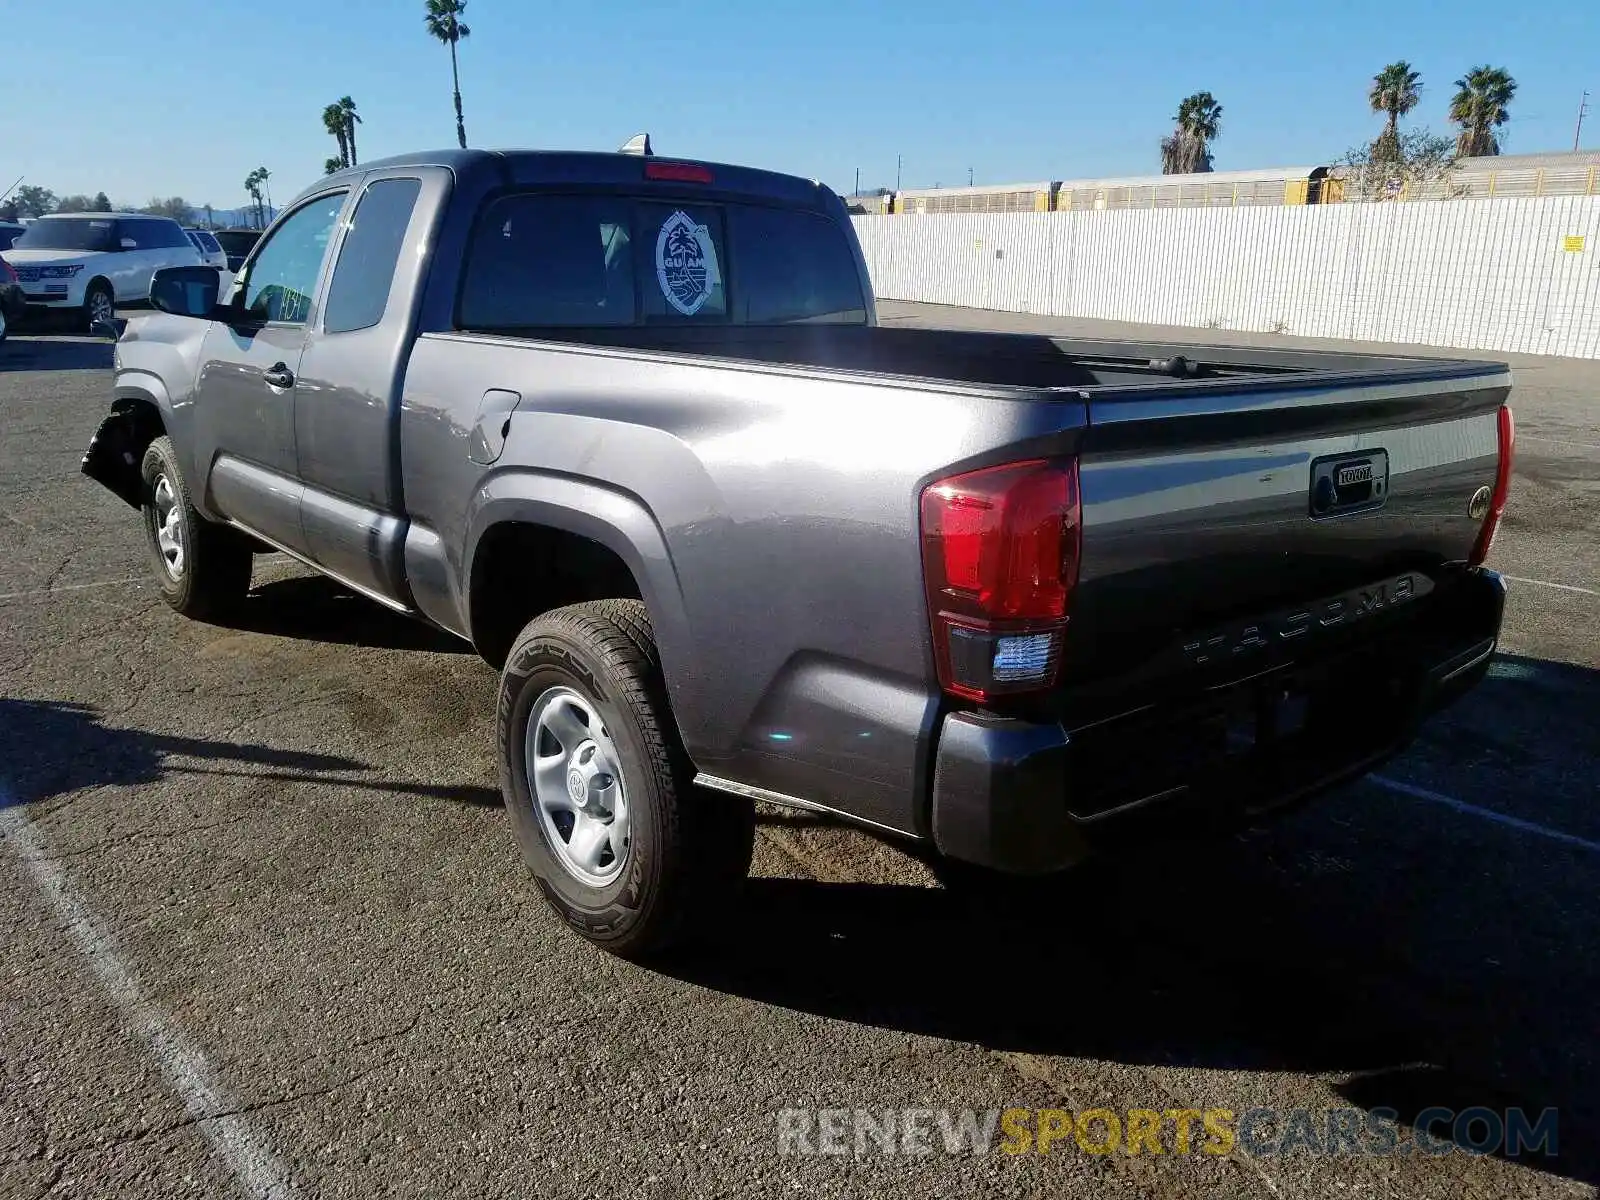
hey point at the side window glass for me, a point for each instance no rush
(368, 256)
(283, 275)
(681, 263)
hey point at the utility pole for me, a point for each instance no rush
(969, 176)
(857, 192)
(1583, 107)
(897, 164)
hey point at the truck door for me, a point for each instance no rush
(347, 408)
(245, 397)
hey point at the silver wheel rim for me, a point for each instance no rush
(169, 527)
(100, 306)
(577, 784)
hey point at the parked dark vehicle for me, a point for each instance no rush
(629, 425)
(237, 244)
(10, 231)
(13, 300)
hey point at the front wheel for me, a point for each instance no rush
(203, 569)
(99, 304)
(600, 792)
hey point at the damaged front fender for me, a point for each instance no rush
(117, 448)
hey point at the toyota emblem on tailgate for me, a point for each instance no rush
(1349, 483)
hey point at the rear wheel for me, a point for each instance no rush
(203, 569)
(600, 792)
(99, 304)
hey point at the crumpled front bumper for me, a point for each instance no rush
(1030, 797)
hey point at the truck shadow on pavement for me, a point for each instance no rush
(52, 748)
(314, 608)
(55, 354)
(1426, 956)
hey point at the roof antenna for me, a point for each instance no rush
(639, 143)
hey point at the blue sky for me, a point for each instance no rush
(185, 97)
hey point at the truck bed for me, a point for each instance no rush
(1197, 463)
(1015, 360)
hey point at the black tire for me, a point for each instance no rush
(688, 850)
(86, 316)
(213, 574)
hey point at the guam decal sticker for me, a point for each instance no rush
(686, 263)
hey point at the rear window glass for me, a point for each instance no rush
(793, 266)
(681, 276)
(550, 260)
(577, 260)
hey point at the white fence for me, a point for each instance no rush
(1519, 275)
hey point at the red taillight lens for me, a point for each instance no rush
(1000, 552)
(677, 172)
(1502, 489)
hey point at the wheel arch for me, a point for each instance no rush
(538, 541)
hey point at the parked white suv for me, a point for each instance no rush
(91, 262)
(211, 250)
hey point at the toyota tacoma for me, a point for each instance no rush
(630, 426)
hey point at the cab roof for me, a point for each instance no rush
(513, 167)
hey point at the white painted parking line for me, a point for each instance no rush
(216, 1115)
(1560, 587)
(1528, 437)
(1488, 814)
(71, 587)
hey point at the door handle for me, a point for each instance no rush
(279, 376)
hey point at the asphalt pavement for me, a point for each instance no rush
(267, 931)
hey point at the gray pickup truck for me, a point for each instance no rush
(630, 425)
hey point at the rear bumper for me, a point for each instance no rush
(1030, 797)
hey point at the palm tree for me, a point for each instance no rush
(333, 122)
(1394, 92)
(1480, 107)
(1188, 148)
(252, 185)
(444, 22)
(347, 109)
(330, 165)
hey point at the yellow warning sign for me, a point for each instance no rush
(1573, 243)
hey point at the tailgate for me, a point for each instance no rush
(1206, 503)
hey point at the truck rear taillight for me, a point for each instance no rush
(1000, 551)
(1502, 489)
(677, 172)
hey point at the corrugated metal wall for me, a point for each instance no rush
(1477, 274)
